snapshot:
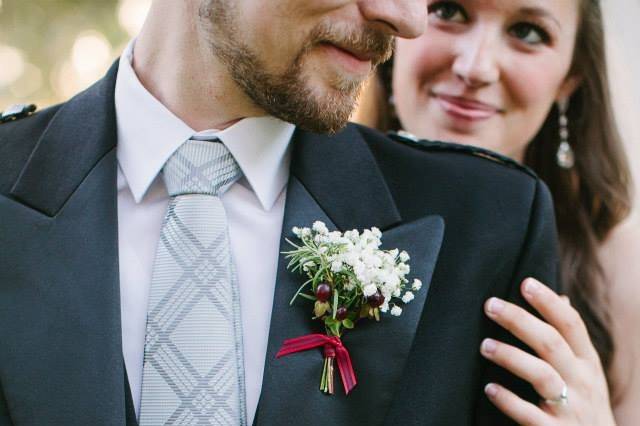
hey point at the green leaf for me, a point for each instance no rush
(347, 323)
(307, 296)
(335, 328)
(298, 292)
(329, 321)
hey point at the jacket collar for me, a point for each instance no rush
(81, 133)
(342, 175)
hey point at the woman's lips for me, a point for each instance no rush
(466, 109)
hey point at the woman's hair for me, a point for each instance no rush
(591, 198)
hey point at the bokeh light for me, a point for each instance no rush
(13, 65)
(91, 52)
(51, 49)
(29, 82)
(131, 14)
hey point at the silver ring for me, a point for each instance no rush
(563, 399)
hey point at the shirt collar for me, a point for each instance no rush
(148, 134)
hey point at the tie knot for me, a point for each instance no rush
(200, 167)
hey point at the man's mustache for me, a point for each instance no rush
(364, 43)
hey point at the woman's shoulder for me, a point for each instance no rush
(620, 258)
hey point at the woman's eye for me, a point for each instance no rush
(529, 34)
(448, 11)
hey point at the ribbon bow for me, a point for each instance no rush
(333, 348)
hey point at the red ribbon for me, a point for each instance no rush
(333, 348)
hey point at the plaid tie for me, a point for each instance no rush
(193, 365)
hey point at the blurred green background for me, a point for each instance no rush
(51, 49)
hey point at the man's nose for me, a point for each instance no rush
(401, 18)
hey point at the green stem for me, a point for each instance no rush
(298, 292)
(323, 379)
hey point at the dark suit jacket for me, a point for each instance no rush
(473, 226)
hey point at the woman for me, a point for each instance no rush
(527, 78)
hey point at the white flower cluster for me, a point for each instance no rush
(358, 255)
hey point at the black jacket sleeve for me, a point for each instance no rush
(538, 259)
(5, 420)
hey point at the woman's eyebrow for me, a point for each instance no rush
(540, 13)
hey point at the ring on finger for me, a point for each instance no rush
(563, 399)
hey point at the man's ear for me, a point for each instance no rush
(568, 87)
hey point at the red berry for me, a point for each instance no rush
(323, 292)
(341, 313)
(375, 300)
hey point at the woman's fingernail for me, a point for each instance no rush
(531, 286)
(488, 346)
(491, 390)
(495, 305)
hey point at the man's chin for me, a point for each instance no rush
(329, 122)
(330, 109)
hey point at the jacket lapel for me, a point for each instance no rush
(336, 180)
(59, 299)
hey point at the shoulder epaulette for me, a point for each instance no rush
(427, 145)
(16, 112)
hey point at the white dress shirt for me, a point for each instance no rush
(148, 134)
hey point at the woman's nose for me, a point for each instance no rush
(477, 59)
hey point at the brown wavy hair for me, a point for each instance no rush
(591, 198)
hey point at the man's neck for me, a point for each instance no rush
(177, 66)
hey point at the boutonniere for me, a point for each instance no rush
(349, 279)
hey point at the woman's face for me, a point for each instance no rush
(486, 72)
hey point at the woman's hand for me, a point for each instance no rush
(566, 357)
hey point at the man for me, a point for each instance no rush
(98, 324)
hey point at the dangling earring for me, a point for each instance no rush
(564, 156)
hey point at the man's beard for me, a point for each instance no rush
(288, 95)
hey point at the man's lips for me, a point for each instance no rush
(360, 55)
(469, 109)
(354, 60)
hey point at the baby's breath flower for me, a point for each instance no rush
(403, 269)
(417, 285)
(396, 311)
(336, 266)
(335, 237)
(404, 256)
(369, 290)
(352, 235)
(391, 281)
(408, 297)
(376, 232)
(320, 227)
(296, 231)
